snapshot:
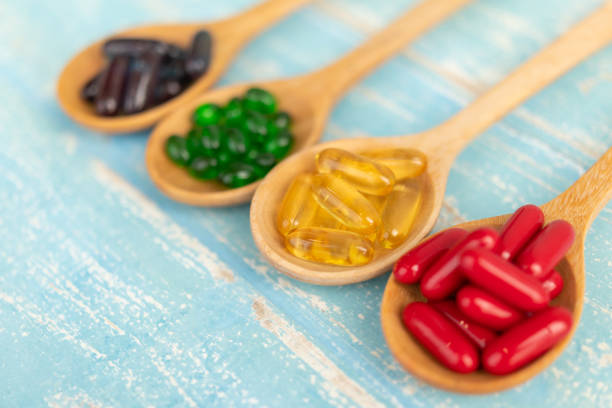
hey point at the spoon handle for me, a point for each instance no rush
(582, 40)
(332, 81)
(581, 203)
(255, 19)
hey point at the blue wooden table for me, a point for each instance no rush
(113, 295)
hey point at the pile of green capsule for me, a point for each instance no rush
(236, 144)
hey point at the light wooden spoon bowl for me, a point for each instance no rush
(308, 98)
(228, 35)
(441, 145)
(579, 205)
(175, 182)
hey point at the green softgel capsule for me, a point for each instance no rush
(194, 142)
(282, 121)
(278, 122)
(279, 145)
(263, 163)
(176, 150)
(211, 139)
(256, 125)
(252, 154)
(238, 175)
(205, 168)
(195, 131)
(260, 100)
(234, 112)
(207, 114)
(237, 142)
(224, 159)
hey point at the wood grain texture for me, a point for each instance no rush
(113, 295)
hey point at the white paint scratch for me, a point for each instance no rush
(587, 146)
(136, 295)
(353, 338)
(314, 300)
(52, 326)
(312, 355)
(78, 399)
(161, 367)
(143, 208)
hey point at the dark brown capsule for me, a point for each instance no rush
(111, 87)
(136, 47)
(90, 89)
(173, 69)
(198, 59)
(142, 79)
(167, 89)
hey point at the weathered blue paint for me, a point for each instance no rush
(113, 295)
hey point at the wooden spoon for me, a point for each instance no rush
(229, 36)
(579, 205)
(308, 98)
(441, 145)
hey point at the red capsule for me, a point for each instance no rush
(546, 249)
(444, 277)
(504, 280)
(485, 309)
(410, 267)
(518, 230)
(438, 335)
(527, 341)
(553, 284)
(479, 335)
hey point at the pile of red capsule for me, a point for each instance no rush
(488, 293)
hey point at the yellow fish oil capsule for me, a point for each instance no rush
(329, 246)
(345, 203)
(324, 219)
(298, 207)
(404, 163)
(399, 213)
(365, 174)
(377, 201)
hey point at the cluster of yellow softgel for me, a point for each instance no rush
(352, 204)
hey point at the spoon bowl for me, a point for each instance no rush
(178, 184)
(271, 191)
(420, 363)
(228, 35)
(441, 145)
(578, 205)
(308, 98)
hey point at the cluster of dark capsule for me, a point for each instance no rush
(143, 73)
